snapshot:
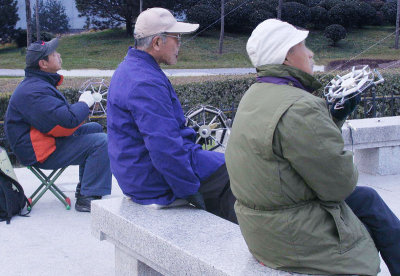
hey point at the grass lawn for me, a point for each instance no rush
(106, 49)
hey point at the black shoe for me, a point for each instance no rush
(82, 204)
(78, 190)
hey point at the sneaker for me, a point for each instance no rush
(78, 190)
(82, 204)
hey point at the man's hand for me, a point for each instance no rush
(348, 108)
(197, 200)
(87, 98)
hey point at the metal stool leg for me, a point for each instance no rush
(48, 184)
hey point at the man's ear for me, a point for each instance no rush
(287, 58)
(156, 42)
(42, 63)
(286, 61)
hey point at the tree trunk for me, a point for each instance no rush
(396, 43)
(141, 6)
(221, 35)
(37, 21)
(280, 9)
(28, 23)
(129, 29)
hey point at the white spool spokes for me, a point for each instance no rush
(99, 89)
(358, 80)
(211, 125)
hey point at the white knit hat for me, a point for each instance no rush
(271, 40)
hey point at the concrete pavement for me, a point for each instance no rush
(54, 241)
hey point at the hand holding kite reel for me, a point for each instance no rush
(211, 125)
(99, 90)
(358, 80)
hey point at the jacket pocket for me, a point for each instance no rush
(347, 225)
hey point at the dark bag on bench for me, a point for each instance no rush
(12, 197)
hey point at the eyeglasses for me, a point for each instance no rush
(178, 37)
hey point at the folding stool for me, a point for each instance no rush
(48, 184)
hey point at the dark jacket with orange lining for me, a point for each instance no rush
(37, 114)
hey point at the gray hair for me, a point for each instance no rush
(145, 42)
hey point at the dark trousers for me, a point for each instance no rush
(380, 221)
(217, 194)
(87, 147)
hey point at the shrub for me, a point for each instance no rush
(389, 10)
(335, 33)
(366, 13)
(304, 2)
(313, 3)
(228, 93)
(242, 18)
(203, 14)
(296, 13)
(224, 94)
(237, 20)
(345, 14)
(329, 4)
(20, 37)
(259, 16)
(379, 18)
(376, 4)
(270, 6)
(319, 17)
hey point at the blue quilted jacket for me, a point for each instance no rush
(37, 114)
(153, 155)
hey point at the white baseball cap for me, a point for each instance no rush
(158, 20)
(271, 40)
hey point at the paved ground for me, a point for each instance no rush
(168, 72)
(54, 241)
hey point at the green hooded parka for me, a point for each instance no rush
(291, 175)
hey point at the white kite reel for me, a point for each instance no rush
(211, 125)
(99, 90)
(358, 80)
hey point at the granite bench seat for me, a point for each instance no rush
(375, 143)
(172, 241)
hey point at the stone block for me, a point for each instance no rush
(173, 241)
(381, 161)
(375, 143)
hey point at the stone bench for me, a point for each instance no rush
(173, 241)
(375, 143)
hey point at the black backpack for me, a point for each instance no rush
(12, 198)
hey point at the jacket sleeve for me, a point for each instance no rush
(52, 115)
(313, 144)
(151, 106)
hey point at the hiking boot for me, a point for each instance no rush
(78, 190)
(82, 204)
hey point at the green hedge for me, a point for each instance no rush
(227, 94)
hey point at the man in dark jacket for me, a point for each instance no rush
(153, 154)
(298, 205)
(47, 132)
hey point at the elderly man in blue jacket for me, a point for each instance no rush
(153, 154)
(47, 132)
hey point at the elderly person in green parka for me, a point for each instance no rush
(297, 204)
